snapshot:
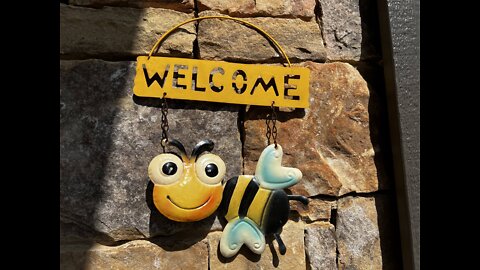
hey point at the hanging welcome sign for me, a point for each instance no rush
(190, 188)
(219, 81)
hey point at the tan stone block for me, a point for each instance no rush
(115, 32)
(230, 41)
(321, 245)
(180, 5)
(293, 237)
(138, 254)
(358, 236)
(267, 8)
(330, 141)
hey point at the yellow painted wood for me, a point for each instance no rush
(219, 81)
(257, 207)
(237, 196)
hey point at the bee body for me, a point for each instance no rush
(256, 205)
(243, 197)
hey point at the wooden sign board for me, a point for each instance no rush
(218, 81)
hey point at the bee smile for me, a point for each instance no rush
(188, 208)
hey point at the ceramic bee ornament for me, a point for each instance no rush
(187, 188)
(256, 205)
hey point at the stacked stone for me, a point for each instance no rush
(107, 138)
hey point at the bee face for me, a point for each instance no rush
(187, 189)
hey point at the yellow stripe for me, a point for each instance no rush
(237, 196)
(255, 212)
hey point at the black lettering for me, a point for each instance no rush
(155, 77)
(234, 84)
(265, 86)
(288, 86)
(212, 86)
(177, 76)
(194, 80)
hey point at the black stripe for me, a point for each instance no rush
(227, 195)
(248, 196)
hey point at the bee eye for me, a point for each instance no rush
(169, 168)
(165, 169)
(210, 169)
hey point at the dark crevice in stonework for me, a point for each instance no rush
(333, 220)
(319, 17)
(195, 8)
(357, 63)
(307, 258)
(135, 5)
(333, 217)
(326, 197)
(338, 255)
(106, 57)
(196, 47)
(241, 131)
(208, 255)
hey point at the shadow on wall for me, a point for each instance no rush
(107, 139)
(91, 93)
(87, 114)
(371, 69)
(180, 241)
(370, 45)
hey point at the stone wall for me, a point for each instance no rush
(108, 137)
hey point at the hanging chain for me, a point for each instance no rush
(271, 119)
(164, 124)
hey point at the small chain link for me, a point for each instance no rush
(269, 130)
(271, 119)
(164, 124)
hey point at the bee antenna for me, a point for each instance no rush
(205, 145)
(180, 147)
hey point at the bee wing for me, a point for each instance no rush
(271, 174)
(241, 231)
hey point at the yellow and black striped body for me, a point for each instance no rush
(243, 197)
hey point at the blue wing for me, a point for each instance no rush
(241, 231)
(270, 172)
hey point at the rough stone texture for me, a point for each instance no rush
(180, 5)
(268, 8)
(321, 245)
(231, 41)
(330, 141)
(350, 29)
(112, 31)
(293, 237)
(358, 236)
(316, 210)
(138, 254)
(107, 140)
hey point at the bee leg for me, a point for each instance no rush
(299, 198)
(281, 245)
